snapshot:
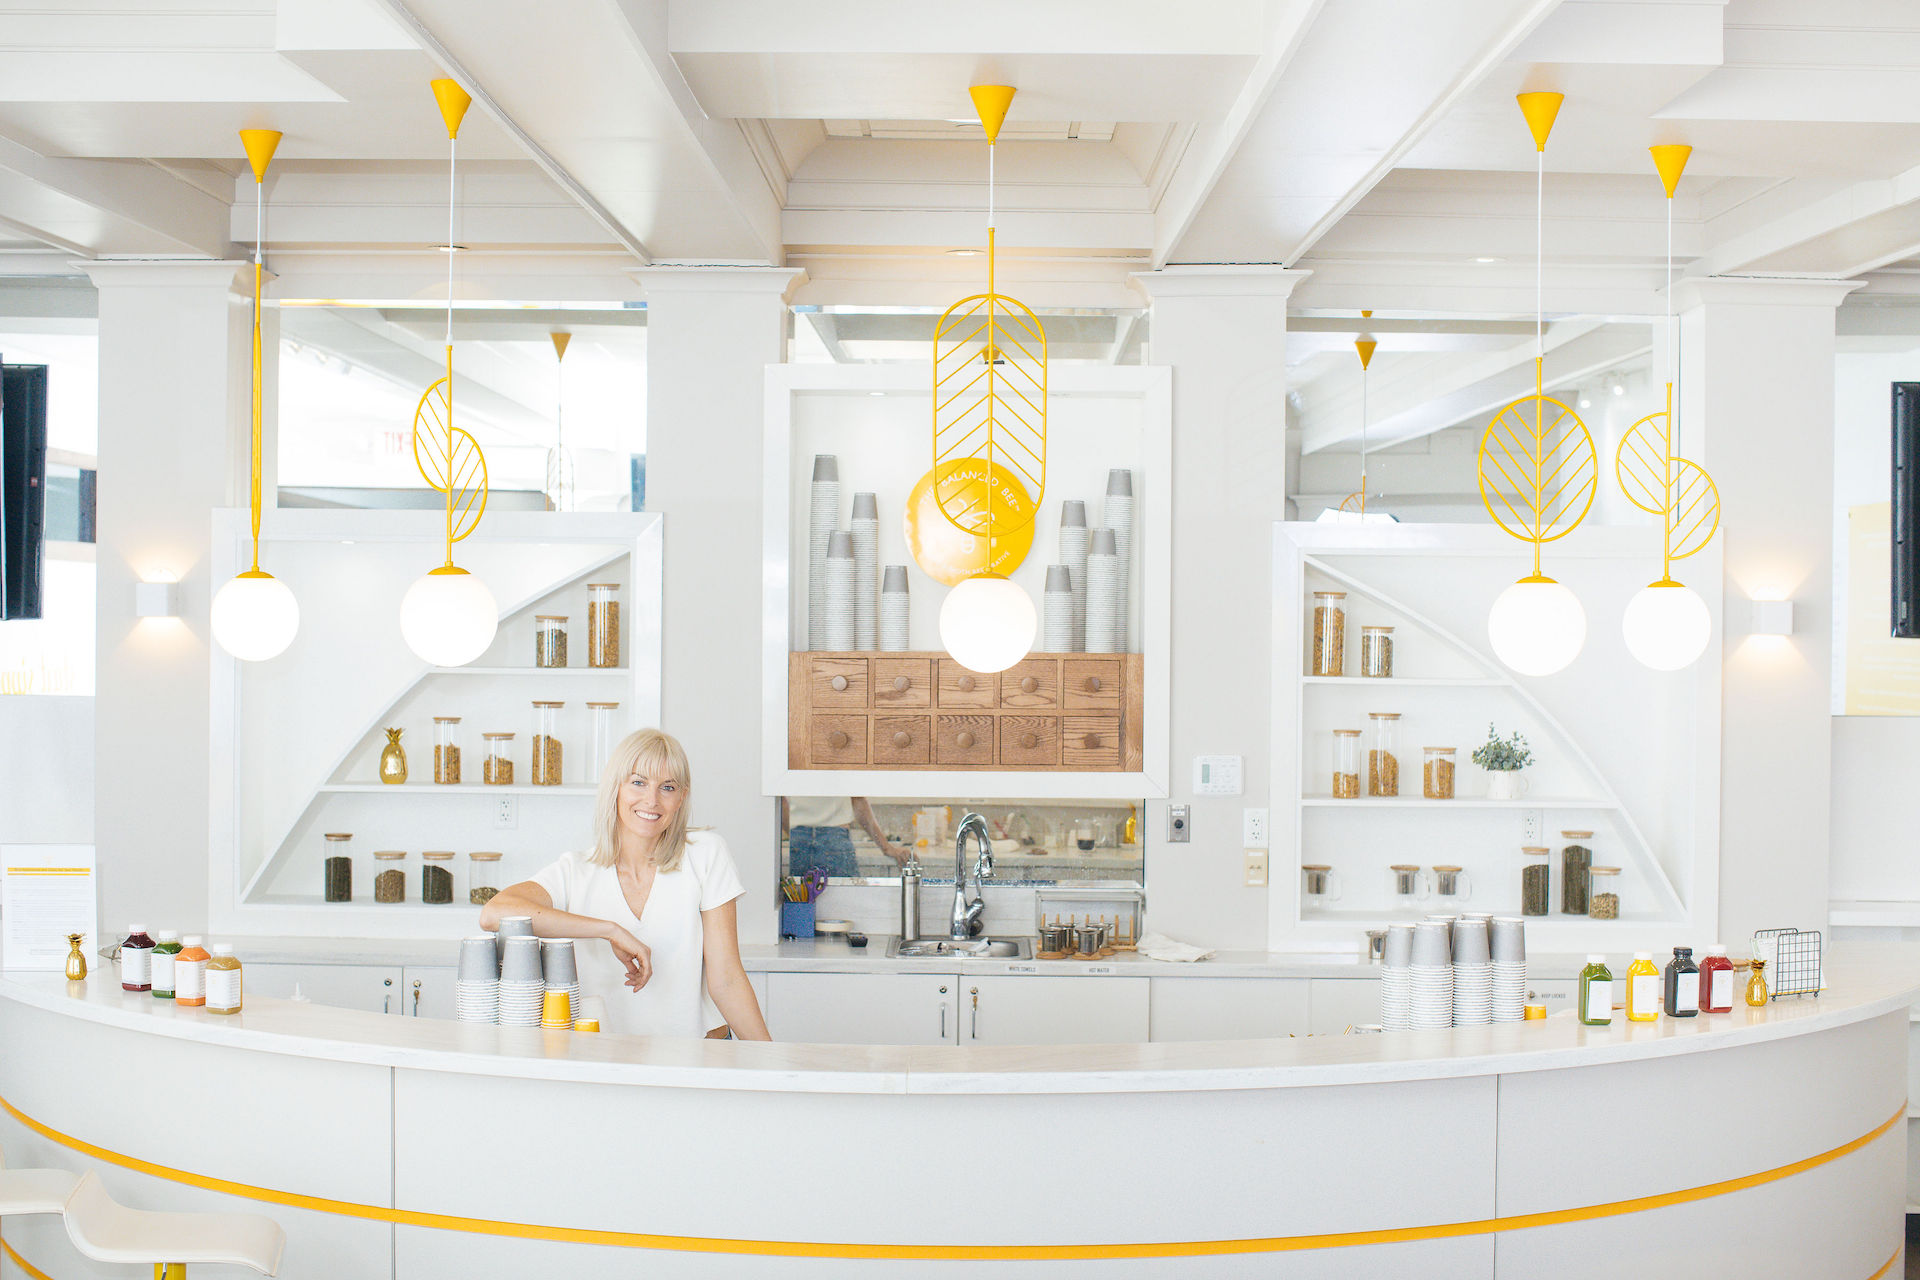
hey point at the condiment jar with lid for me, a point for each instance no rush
(603, 624)
(483, 877)
(390, 875)
(446, 750)
(603, 720)
(1534, 872)
(497, 768)
(223, 980)
(1329, 634)
(136, 960)
(1383, 754)
(1576, 865)
(339, 866)
(1346, 764)
(549, 639)
(1376, 652)
(436, 877)
(1603, 899)
(1436, 772)
(546, 745)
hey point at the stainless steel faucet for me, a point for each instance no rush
(966, 915)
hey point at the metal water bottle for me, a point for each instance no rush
(910, 899)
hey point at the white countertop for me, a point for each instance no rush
(1864, 982)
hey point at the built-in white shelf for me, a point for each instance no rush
(530, 671)
(443, 789)
(1461, 802)
(1431, 682)
(1434, 904)
(413, 906)
(1889, 914)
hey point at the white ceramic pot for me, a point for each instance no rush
(1505, 784)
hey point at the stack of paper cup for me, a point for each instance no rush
(823, 519)
(476, 983)
(1102, 568)
(866, 569)
(1118, 514)
(839, 635)
(1431, 973)
(1396, 979)
(510, 927)
(522, 988)
(1056, 626)
(1472, 974)
(893, 609)
(1508, 944)
(561, 971)
(1073, 554)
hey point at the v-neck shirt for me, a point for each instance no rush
(673, 1003)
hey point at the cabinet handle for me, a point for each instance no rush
(966, 684)
(837, 739)
(1091, 741)
(386, 1001)
(965, 740)
(943, 1017)
(839, 684)
(903, 739)
(1093, 684)
(1029, 740)
(1028, 684)
(976, 1013)
(416, 997)
(900, 684)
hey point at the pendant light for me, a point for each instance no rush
(448, 616)
(254, 615)
(559, 461)
(1364, 347)
(990, 415)
(1667, 624)
(1538, 474)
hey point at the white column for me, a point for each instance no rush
(174, 405)
(711, 333)
(1223, 330)
(1757, 411)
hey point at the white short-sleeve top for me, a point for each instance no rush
(673, 1003)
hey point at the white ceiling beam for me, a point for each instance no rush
(1831, 232)
(90, 207)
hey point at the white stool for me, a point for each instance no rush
(34, 1190)
(107, 1231)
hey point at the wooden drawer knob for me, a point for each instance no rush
(966, 684)
(1091, 742)
(902, 739)
(965, 740)
(1029, 740)
(839, 684)
(900, 684)
(837, 740)
(1093, 684)
(1028, 684)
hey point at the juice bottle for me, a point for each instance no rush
(136, 960)
(1643, 988)
(1596, 992)
(190, 973)
(1683, 984)
(223, 980)
(165, 953)
(1716, 980)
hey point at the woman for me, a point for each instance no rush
(661, 896)
(819, 831)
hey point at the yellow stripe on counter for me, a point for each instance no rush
(1886, 1270)
(32, 1271)
(963, 1252)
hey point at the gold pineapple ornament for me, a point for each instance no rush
(393, 760)
(76, 958)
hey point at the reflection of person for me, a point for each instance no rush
(660, 895)
(820, 837)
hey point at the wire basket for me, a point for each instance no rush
(1793, 961)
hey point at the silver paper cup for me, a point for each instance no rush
(1399, 950)
(522, 962)
(866, 506)
(1432, 944)
(478, 961)
(1470, 942)
(826, 467)
(1507, 938)
(557, 962)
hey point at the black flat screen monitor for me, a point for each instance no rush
(23, 488)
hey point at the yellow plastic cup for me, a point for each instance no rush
(586, 1024)
(557, 1010)
(1535, 1012)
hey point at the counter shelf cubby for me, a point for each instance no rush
(447, 789)
(528, 671)
(1458, 802)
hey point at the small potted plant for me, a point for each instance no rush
(1503, 759)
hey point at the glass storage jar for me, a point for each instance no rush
(1407, 885)
(602, 736)
(1603, 902)
(549, 639)
(603, 624)
(1376, 652)
(390, 875)
(436, 877)
(1576, 871)
(1383, 754)
(1436, 773)
(339, 866)
(446, 750)
(1329, 633)
(1346, 764)
(545, 770)
(1320, 883)
(483, 877)
(1534, 872)
(497, 769)
(1452, 883)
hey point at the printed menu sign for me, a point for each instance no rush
(46, 893)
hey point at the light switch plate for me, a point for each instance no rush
(1216, 775)
(1253, 829)
(1256, 868)
(1179, 824)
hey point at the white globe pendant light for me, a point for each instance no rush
(449, 617)
(1667, 625)
(988, 623)
(255, 616)
(1537, 626)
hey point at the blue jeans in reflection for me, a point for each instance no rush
(828, 849)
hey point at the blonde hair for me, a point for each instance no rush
(656, 754)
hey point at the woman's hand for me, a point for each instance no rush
(634, 954)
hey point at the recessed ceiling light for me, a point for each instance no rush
(1483, 261)
(458, 248)
(963, 253)
(1619, 388)
(1586, 402)
(876, 393)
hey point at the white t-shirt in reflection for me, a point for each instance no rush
(674, 1001)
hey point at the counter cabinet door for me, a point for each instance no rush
(1249, 1008)
(427, 991)
(1012, 1009)
(863, 1008)
(373, 988)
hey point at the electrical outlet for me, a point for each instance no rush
(1530, 824)
(1253, 828)
(1179, 824)
(1256, 868)
(506, 812)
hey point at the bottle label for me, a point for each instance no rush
(190, 981)
(162, 972)
(1599, 1000)
(1687, 993)
(1643, 994)
(136, 966)
(1722, 989)
(223, 988)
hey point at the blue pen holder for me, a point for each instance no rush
(796, 919)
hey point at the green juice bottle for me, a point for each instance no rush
(164, 952)
(1596, 992)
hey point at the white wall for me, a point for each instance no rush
(46, 758)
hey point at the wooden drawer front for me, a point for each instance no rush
(839, 683)
(1032, 685)
(902, 682)
(839, 740)
(1029, 740)
(902, 739)
(960, 687)
(963, 740)
(1091, 684)
(1090, 742)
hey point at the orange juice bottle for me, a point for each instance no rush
(1643, 988)
(190, 972)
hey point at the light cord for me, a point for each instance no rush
(259, 223)
(453, 193)
(1540, 253)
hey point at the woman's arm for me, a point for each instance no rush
(863, 811)
(727, 977)
(530, 899)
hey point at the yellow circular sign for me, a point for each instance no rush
(950, 554)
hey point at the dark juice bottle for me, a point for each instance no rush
(136, 960)
(1683, 984)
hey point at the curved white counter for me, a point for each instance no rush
(1770, 1140)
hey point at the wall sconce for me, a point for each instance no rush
(156, 599)
(1772, 618)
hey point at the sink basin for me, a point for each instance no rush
(972, 949)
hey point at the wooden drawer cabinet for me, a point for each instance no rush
(926, 711)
